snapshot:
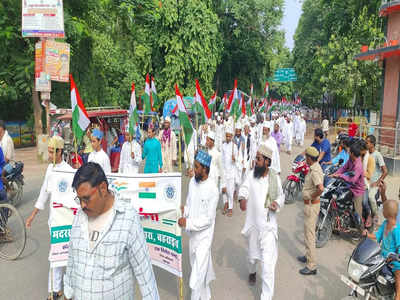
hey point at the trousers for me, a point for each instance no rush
(58, 273)
(230, 190)
(372, 200)
(267, 245)
(202, 293)
(311, 212)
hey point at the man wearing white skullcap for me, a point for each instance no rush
(270, 142)
(57, 163)
(216, 162)
(167, 139)
(230, 169)
(287, 132)
(261, 196)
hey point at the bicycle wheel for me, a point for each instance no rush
(12, 232)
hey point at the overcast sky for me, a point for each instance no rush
(290, 20)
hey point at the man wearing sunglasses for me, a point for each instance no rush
(107, 244)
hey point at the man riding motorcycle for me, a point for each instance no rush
(354, 165)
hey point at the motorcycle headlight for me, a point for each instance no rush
(355, 270)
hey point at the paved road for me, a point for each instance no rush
(26, 278)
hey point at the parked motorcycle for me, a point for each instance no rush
(369, 275)
(293, 185)
(14, 181)
(337, 212)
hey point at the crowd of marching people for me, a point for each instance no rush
(227, 159)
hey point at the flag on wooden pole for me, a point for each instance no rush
(185, 123)
(133, 115)
(80, 118)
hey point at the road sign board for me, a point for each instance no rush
(285, 75)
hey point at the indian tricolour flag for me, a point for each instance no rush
(201, 103)
(154, 97)
(233, 104)
(133, 115)
(266, 90)
(80, 118)
(185, 123)
(146, 97)
(147, 190)
(213, 102)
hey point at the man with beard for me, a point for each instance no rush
(261, 196)
(131, 155)
(199, 220)
(270, 142)
(230, 169)
(168, 146)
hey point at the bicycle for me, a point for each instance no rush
(12, 232)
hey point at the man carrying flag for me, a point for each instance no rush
(131, 152)
(168, 146)
(147, 106)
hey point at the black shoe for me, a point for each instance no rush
(252, 279)
(302, 259)
(307, 271)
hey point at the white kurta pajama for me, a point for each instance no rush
(44, 196)
(168, 151)
(190, 150)
(230, 171)
(287, 133)
(270, 142)
(261, 230)
(301, 131)
(200, 211)
(216, 166)
(102, 159)
(127, 164)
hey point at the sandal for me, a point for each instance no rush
(55, 295)
(230, 213)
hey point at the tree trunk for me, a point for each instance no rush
(37, 113)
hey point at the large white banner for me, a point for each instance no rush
(157, 199)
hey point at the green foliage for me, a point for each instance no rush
(329, 35)
(116, 42)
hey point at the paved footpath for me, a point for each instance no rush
(26, 278)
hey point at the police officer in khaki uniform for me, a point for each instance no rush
(312, 189)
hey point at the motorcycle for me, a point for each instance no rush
(369, 273)
(337, 212)
(329, 170)
(293, 184)
(14, 181)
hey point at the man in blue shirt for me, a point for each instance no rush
(344, 154)
(322, 145)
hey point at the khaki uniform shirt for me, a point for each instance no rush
(314, 178)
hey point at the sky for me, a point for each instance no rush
(290, 20)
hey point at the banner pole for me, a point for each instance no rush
(180, 150)
(180, 288)
(51, 283)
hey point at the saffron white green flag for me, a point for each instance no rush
(154, 97)
(133, 115)
(186, 125)
(80, 118)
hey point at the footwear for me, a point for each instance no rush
(307, 271)
(55, 295)
(230, 213)
(302, 259)
(252, 279)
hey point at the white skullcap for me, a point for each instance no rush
(215, 114)
(211, 135)
(228, 129)
(167, 119)
(238, 126)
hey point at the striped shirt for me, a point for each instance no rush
(107, 270)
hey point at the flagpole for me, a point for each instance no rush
(180, 151)
(76, 148)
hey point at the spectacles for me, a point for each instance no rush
(85, 199)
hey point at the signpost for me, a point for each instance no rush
(285, 75)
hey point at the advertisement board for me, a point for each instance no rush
(43, 18)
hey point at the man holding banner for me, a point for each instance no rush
(107, 244)
(199, 221)
(55, 151)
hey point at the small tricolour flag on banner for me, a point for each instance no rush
(80, 118)
(185, 123)
(201, 102)
(154, 97)
(133, 115)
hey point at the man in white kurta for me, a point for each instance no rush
(55, 149)
(6, 143)
(287, 132)
(190, 150)
(199, 220)
(261, 196)
(270, 142)
(219, 133)
(167, 139)
(230, 169)
(300, 131)
(216, 162)
(98, 155)
(131, 156)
